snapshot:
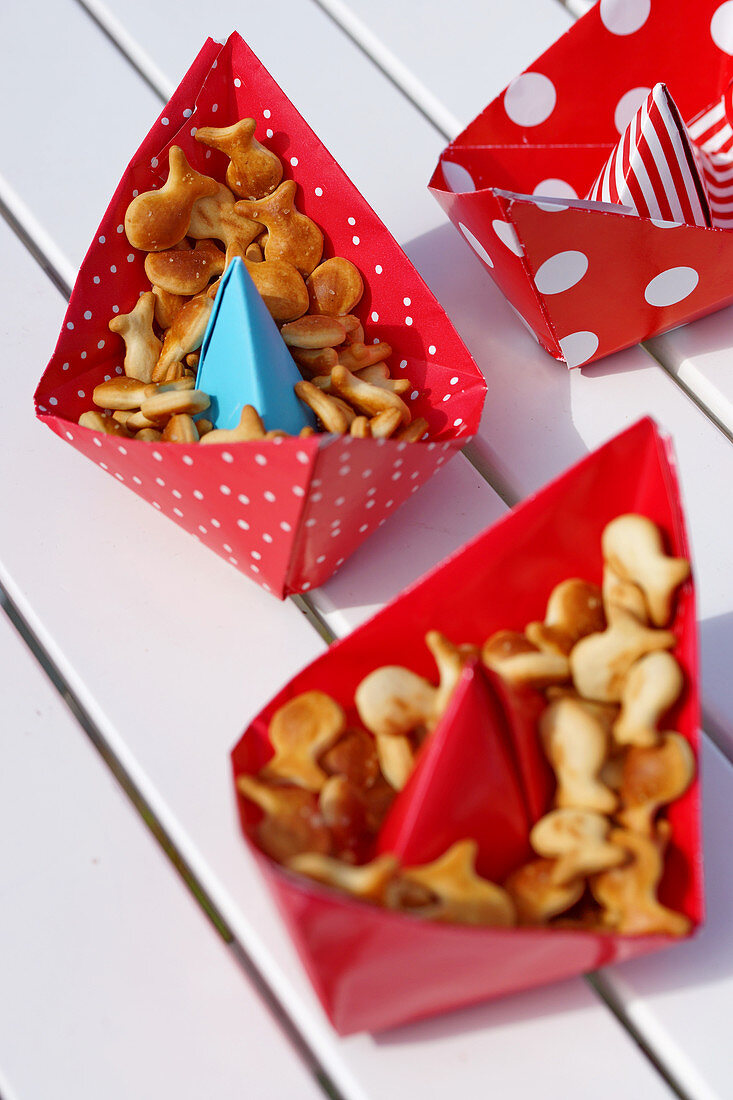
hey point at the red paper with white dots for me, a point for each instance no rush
(373, 968)
(286, 512)
(549, 133)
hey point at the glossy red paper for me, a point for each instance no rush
(465, 784)
(286, 512)
(375, 969)
(549, 132)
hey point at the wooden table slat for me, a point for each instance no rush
(108, 964)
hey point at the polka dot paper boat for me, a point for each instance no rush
(481, 774)
(287, 511)
(589, 278)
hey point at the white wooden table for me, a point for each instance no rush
(119, 976)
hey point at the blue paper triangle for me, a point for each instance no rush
(244, 360)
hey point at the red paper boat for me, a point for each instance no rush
(374, 969)
(550, 133)
(286, 512)
(653, 169)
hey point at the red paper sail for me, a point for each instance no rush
(549, 133)
(286, 512)
(465, 784)
(373, 968)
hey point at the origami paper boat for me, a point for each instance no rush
(286, 512)
(513, 182)
(373, 968)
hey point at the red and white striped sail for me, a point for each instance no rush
(712, 134)
(653, 168)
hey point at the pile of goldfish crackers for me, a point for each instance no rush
(191, 228)
(602, 661)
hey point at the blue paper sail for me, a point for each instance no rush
(244, 360)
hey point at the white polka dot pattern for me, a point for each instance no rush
(671, 286)
(457, 177)
(721, 27)
(561, 272)
(476, 245)
(624, 16)
(554, 189)
(589, 281)
(285, 512)
(530, 99)
(627, 106)
(578, 347)
(507, 234)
